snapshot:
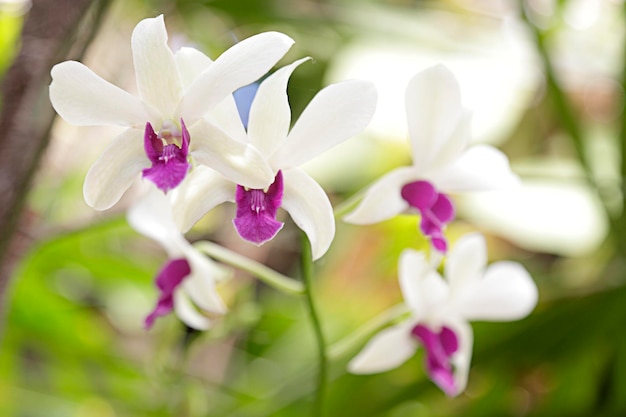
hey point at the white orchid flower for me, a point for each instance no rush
(165, 123)
(441, 310)
(443, 161)
(187, 280)
(336, 113)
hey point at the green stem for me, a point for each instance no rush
(262, 272)
(349, 204)
(307, 277)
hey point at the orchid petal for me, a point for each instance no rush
(83, 98)
(200, 192)
(480, 168)
(335, 114)
(201, 284)
(466, 262)
(115, 170)
(239, 162)
(240, 65)
(433, 107)
(463, 356)
(507, 292)
(422, 287)
(157, 76)
(226, 116)
(187, 313)
(456, 142)
(383, 199)
(388, 349)
(309, 207)
(190, 63)
(270, 114)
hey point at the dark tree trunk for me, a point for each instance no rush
(54, 30)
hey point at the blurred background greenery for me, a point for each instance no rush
(73, 342)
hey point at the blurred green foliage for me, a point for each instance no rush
(73, 344)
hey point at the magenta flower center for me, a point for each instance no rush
(440, 347)
(435, 208)
(167, 151)
(169, 278)
(255, 220)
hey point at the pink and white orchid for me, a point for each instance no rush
(335, 114)
(443, 161)
(165, 124)
(188, 278)
(441, 310)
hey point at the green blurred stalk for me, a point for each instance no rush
(306, 262)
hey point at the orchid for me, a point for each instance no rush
(188, 278)
(166, 125)
(443, 161)
(335, 114)
(442, 308)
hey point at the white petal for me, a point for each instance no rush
(187, 313)
(422, 287)
(507, 292)
(270, 114)
(201, 191)
(433, 107)
(83, 98)
(466, 262)
(118, 166)
(155, 68)
(200, 285)
(456, 142)
(480, 168)
(226, 116)
(152, 217)
(243, 63)
(309, 207)
(239, 162)
(383, 200)
(335, 114)
(190, 63)
(388, 349)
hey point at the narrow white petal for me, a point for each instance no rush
(507, 292)
(158, 80)
(462, 359)
(422, 287)
(190, 63)
(270, 114)
(433, 107)
(466, 262)
(383, 200)
(226, 116)
(239, 162)
(82, 98)
(200, 285)
(119, 165)
(388, 349)
(309, 207)
(334, 115)
(243, 63)
(187, 313)
(456, 142)
(152, 217)
(480, 168)
(201, 191)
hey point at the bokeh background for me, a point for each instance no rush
(545, 81)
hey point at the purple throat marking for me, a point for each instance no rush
(435, 208)
(255, 220)
(169, 161)
(439, 347)
(169, 278)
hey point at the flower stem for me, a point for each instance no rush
(262, 272)
(307, 277)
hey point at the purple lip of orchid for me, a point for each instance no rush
(169, 161)
(169, 278)
(435, 208)
(256, 211)
(439, 349)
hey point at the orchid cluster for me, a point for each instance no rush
(201, 140)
